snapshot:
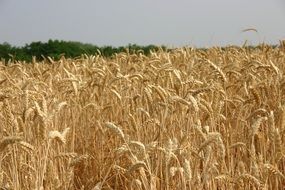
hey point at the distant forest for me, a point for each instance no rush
(69, 49)
(56, 48)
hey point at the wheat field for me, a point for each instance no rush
(181, 119)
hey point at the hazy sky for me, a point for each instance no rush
(120, 22)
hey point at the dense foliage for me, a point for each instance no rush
(56, 48)
(69, 49)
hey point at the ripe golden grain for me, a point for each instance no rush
(8, 141)
(117, 130)
(60, 137)
(176, 122)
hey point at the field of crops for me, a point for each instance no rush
(183, 119)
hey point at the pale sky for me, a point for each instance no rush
(200, 23)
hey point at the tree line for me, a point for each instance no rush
(55, 49)
(69, 49)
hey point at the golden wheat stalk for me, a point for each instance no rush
(59, 137)
(8, 141)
